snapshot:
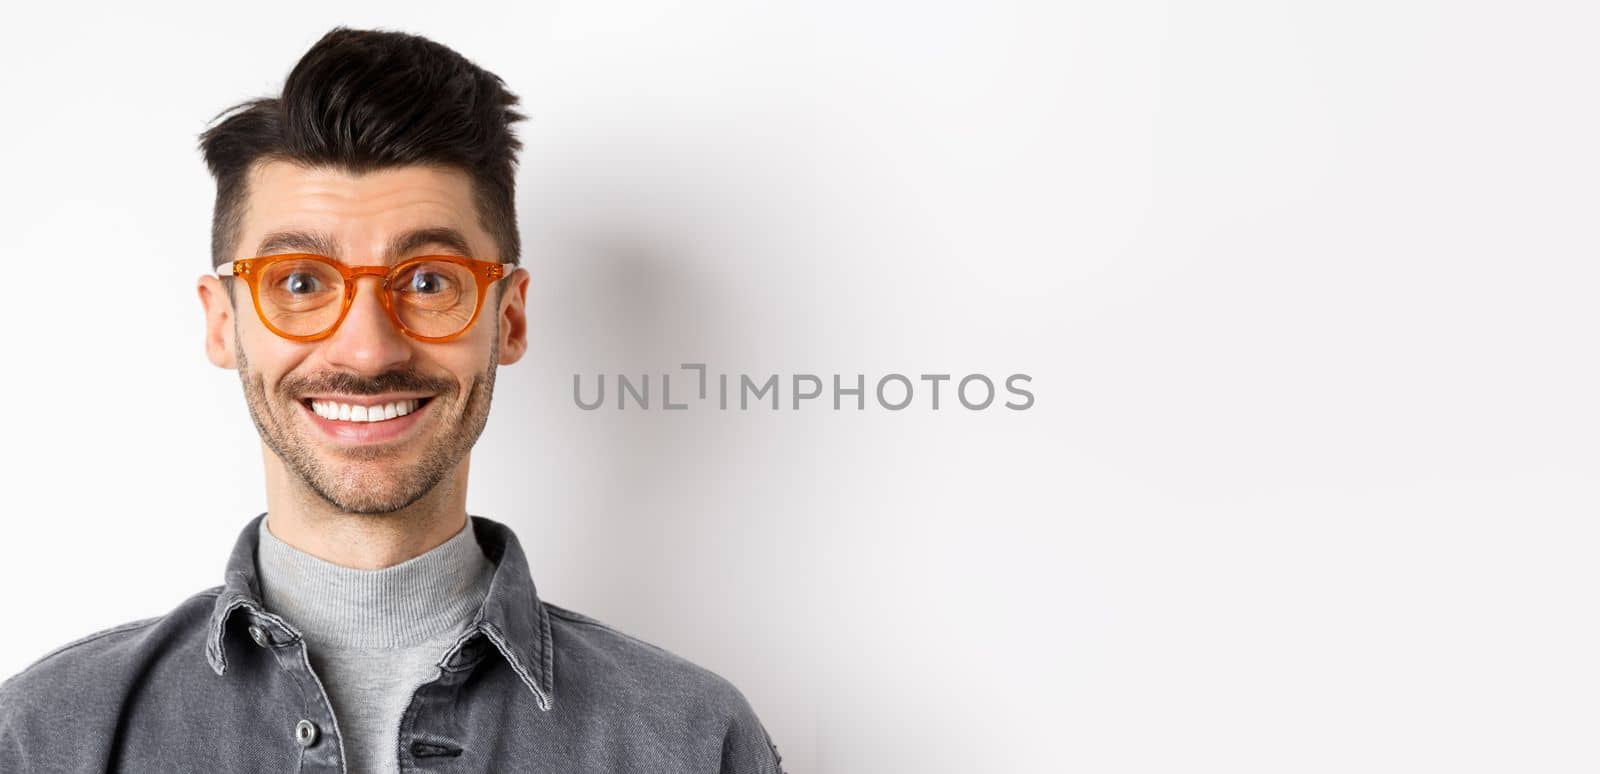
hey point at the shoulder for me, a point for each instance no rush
(628, 680)
(595, 659)
(602, 652)
(82, 672)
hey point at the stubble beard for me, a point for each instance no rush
(356, 482)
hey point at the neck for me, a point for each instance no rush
(411, 603)
(300, 517)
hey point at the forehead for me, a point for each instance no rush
(357, 217)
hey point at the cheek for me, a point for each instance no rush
(465, 369)
(271, 357)
(470, 352)
(461, 361)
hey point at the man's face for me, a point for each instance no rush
(365, 466)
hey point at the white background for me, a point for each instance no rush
(1307, 293)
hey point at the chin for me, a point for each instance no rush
(369, 501)
(360, 488)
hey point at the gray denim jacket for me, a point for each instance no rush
(220, 684)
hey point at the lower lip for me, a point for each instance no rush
(366, 432)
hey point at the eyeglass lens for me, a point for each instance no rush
(304, 297)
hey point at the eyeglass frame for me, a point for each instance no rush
(249, 269)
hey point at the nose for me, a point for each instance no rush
(367, 342)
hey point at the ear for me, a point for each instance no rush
(219, 321)
(514, 317)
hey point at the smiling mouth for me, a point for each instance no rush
(338, 411)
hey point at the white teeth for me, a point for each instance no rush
(350, 412)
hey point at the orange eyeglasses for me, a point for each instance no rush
(304, 297)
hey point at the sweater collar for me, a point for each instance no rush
(511, 616)
(419, 599)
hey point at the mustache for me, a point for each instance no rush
(353, 384)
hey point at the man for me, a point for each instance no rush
(367, 287)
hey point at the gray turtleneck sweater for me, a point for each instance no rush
(375, 636)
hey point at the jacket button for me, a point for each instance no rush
(305, 733)
(260, 636)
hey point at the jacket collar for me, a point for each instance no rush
(511, 617)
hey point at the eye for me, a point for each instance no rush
(301, 283)
(428, 282)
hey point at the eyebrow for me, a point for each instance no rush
(320, 242)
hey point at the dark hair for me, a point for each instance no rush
(364, 100)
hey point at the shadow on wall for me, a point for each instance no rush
(650, 493)
(684, 528)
